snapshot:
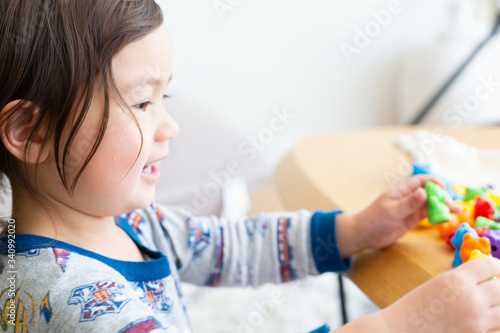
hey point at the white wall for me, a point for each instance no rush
(231, 70)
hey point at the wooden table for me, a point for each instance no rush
(349, 170)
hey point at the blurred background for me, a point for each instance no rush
(331, 65)
(253, 78)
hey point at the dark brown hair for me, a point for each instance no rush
(52, 55)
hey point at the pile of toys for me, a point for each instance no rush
(475, 231)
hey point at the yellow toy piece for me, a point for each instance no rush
(459, 189)
(424, 223)
(494, 196)
(476, 254)
(467, 206)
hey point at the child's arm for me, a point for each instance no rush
(273, 248)
(284, 246)
(461, 300)
(389, 217)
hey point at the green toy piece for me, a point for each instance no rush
(482, 221)
(497, 213)
(472, 192)
(439, 212)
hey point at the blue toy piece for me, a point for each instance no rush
(458, 239)
(421, 169)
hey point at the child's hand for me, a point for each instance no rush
(394, 213)
(460, 300)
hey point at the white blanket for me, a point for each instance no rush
(453, 161)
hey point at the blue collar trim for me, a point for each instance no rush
(155, 269)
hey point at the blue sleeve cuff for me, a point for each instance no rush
(324, 243)
(323, 329)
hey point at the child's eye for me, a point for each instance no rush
(142, 106)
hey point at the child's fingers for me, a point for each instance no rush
(454, 208)
(491, 290)
(412, 220)
(494, 319)
(418, 181)
(412, 202)
(482, 269)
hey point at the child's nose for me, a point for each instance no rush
(167, 128)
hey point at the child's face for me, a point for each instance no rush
(112, 184)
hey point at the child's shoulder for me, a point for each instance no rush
(40, 261)
(64, 288)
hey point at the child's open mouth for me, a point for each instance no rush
(151, 172)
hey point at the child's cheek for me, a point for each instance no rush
(121, 147)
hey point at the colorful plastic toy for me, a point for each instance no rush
(424, 223)
(471, 243)
(457, 241)
(494, 237)
(484, 208)
(484, 222)
(421, 169)
(459, 189)
(447, 228)
(494, 196)
(439, 212)
(476, 254)
(465, 217)
(472, 192)
(481, 232)
(454, 195)
(467, 207)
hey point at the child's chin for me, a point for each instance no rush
(145, 200)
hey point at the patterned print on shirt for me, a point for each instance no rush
(30, 253)
(153, 294)
(142, 326)
(256, 226)
(98, 298)
(199, 237)
(214, 279)
(284, 250)
(17, 309)
(62, 257)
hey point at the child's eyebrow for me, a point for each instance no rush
(145, 81)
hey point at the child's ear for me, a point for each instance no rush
(16, 130)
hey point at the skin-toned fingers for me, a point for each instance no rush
(415, 182)
(421, 180)
(481, 270)
(491, 291)
(494, 319)
(412, 220)
(454, 208)
(411, 203)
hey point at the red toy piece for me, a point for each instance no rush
(484, 208)
(448, 240)
(482, 231)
